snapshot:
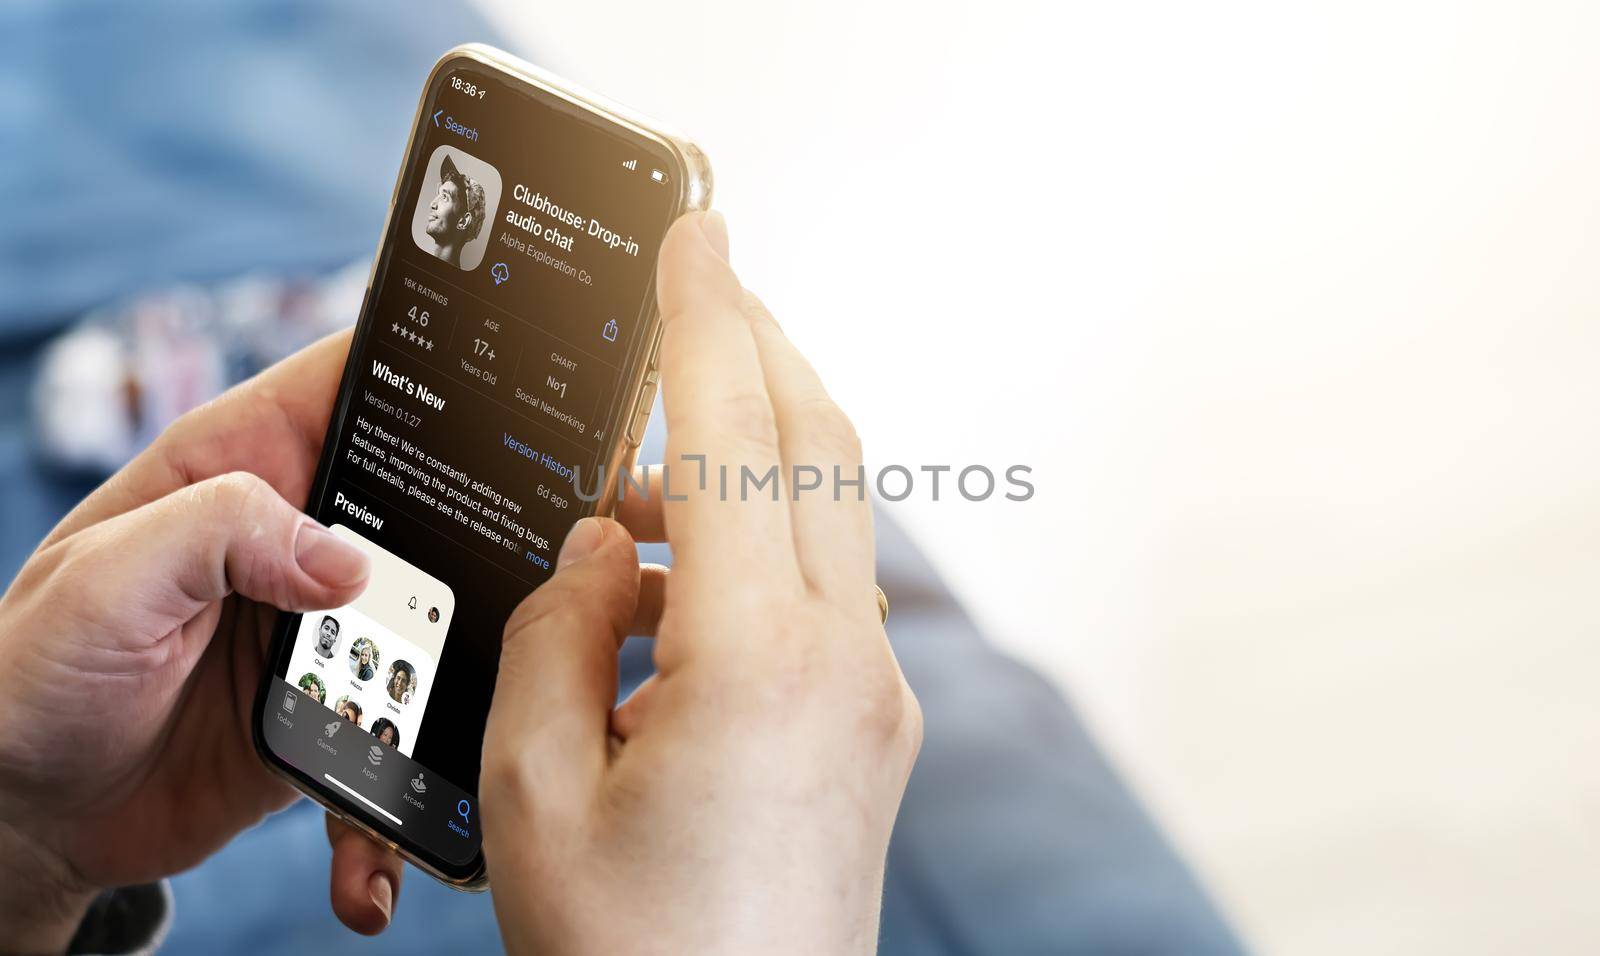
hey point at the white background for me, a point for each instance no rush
(1293, 309)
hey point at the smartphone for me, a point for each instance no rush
(504, 358)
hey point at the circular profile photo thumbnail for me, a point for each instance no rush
(384, 729)
(349, 710)
(327, 636)
(363, 658)
(314, 688)
(401, 683)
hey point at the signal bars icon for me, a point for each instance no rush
(631, 164)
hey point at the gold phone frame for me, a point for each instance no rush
(694, 182)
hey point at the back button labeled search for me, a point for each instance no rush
(467, 133)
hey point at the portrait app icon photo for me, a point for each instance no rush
(455, 206)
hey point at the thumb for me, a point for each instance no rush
(230, 533)
(547, 730)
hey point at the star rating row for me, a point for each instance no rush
(414, 337)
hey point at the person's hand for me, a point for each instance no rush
(132, 643)
(741, 800)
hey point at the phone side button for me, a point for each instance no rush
(654, 361)
(641, 410)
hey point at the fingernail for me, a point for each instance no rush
(716, 230)
(332, 562)
(382, 894)
(581, 542)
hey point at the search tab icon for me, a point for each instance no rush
(463, 808)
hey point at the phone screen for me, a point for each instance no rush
(496, 357)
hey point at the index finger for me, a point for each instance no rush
(832, 528)
(720, 422)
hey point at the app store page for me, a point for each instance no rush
(488, 370)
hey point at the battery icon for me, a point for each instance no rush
(658, 175)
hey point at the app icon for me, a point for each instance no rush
(609, 330)
(374, 755)
(417, 783)
(288, 701)
(456, 204)
(332, 728)
(501, 272)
